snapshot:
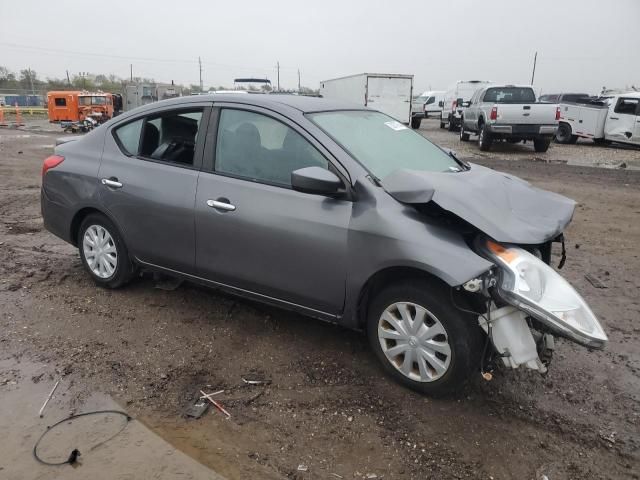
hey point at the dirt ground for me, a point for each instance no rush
(327, 410)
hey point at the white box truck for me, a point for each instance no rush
(385, 92)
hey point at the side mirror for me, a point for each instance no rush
(460, 102)
(315, 180)
(441, 104)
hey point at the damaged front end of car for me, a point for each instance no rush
(522, 303)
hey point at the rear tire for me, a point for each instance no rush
(564, 134)
(541, 145)
(485, 140)
(445, 347)
(442, 124)
(415, 123)
(103, 252)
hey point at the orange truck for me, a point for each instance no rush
(76, 106)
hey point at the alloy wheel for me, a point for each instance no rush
(100, 251)
(414, 341)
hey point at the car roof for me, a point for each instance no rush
(299, 102)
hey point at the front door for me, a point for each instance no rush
(149, 172)
(253, 231)
(621, 124)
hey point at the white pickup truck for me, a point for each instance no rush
(511, 113)
(615, 119)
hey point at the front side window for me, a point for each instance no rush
(510, 95)
(627, 106)
(257, 147)
(430, 100)
(382, 144)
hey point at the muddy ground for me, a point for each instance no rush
(328, 406)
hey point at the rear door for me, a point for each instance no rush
(149, 172)
(253, 231)
(622, 122)
(390, 95)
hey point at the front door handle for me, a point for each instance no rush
(220, 205)
(111, 182)
(614, 118)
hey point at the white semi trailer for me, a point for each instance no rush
(385, 92)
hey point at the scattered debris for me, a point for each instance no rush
(336, 475)
(303, 468)
(197, 409)
(216, 404)
(595, 281)
(255, 382)
(207, 395)
(41, 412)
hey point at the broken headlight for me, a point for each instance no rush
(531, 285)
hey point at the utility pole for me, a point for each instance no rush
(533, 74)
(131, 69)
(68, 79)
(298, 80)
(31, 81)
(200, 65)
(278, 67)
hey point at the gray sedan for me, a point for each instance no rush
(334, 211)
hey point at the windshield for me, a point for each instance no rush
(382, 144)
(510, 95)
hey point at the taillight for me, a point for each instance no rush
(558, 112)
(51, 162)
(494, 113)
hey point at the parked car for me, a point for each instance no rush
(562, 97)
(509, 112)
(456, 98)
(434, 103)
(331, 210)
(614, 119)
(386, 92)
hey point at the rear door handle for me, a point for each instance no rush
(221, 205)
(111, 182)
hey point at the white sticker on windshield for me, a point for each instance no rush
(393, 125)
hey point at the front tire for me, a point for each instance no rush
(421, 339)
(415, 122)
(103, 252)
(464, 136)
(442, 124)
(452, 124)
(484, 138)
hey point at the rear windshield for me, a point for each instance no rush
(381, 144)
(510, 95)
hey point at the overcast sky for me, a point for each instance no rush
(582, 45)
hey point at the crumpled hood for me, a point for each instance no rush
(503, 206)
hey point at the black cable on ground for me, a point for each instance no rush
(75, 453)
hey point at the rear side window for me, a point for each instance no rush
(628, 106)
(61, 102)
(129, 136)
(167, 137)
(510, 95)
